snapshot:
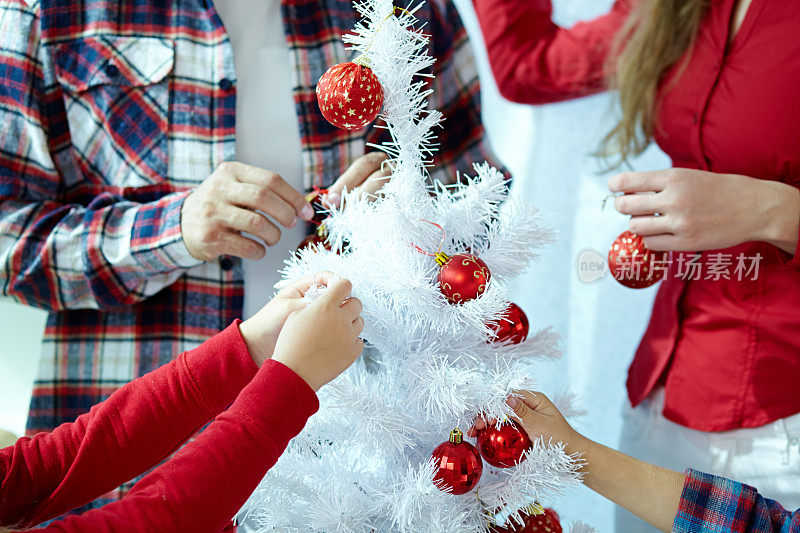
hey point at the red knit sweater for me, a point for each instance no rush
(202, 486)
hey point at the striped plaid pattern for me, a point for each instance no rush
(712, 504)
(110, 112)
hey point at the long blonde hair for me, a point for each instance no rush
(656, 36)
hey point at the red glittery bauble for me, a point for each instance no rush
(503, 446)
(512, 328)
(314, 239)
(633, 264)
(458, 465)
(462, 277)
(349, 96)
(547, 522)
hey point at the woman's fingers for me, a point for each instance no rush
(630, 182)
(650, 225)
(639, 204)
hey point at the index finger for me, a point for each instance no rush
(628, 182)
(275, 183)
(358, 172)
(338, 291)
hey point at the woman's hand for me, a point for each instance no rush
(260, 332)
(693, 210)
(539, 418)
(320, 341)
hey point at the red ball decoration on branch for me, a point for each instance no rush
(319, 237)
(462, 277)
(458, 465)
(534, 520)
(512, 328)
(633, 264)
(503, 446)
(349, 95)
(317, 200)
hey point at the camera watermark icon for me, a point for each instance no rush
(591, 266)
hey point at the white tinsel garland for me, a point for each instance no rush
(362, 462)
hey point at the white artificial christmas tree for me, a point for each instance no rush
(362, 463)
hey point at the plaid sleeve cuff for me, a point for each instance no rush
(710, 503)
(156, 241)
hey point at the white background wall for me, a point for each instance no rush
(547, 148)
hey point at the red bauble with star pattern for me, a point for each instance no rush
(349, 95)
(503, 446)
(534, 520)
(462, 277)
(633, 264)
(458, 465)
(512, 328)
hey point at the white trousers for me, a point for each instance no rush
(766, 457)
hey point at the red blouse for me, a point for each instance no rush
(727, 350)
(198, 489)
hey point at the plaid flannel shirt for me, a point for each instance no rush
(110, 112)
(712, 504)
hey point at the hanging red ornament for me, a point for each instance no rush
(633, 264)
(503, 446)
(349, 95)
(319, 237)
(458, 465)
(512, 328)
(534, 520)
(462, 277)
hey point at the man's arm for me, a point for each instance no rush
(54, 254)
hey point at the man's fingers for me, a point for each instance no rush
(358, 171)
(629, 182)
(253, 223)
(237, 245)
(270, 180)
(338, 291)
(253, 197)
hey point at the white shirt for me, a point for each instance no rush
(267, 134)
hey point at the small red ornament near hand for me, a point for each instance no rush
(633, 264)
(318, 238)
(503, 446)
(349, 95)
(512, 328)
(458, 465)
(462, 277)
(317, 199)
(534, 520)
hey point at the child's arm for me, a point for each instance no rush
(140, 424)
(203, 485)
(666, 499)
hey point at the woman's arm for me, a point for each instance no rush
(535, 61)
(137, 427)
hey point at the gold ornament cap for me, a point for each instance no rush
(456, 436)
(535, 509)
(441, 258)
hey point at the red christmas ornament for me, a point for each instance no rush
(503, 446)
(458, 465)
(462, 277)
(349, 95)
(319, 237)
(633, 264)
(512, 328)
(534, 520)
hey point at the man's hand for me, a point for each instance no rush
(366, 175)
(228, 203)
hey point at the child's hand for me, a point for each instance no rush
(539, 417)
(260, 332)
(320, 341)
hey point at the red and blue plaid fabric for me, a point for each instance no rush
(712, 504)
(110, 112)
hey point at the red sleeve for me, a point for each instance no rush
(203, 486)
(535, 61)
(134, 429)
